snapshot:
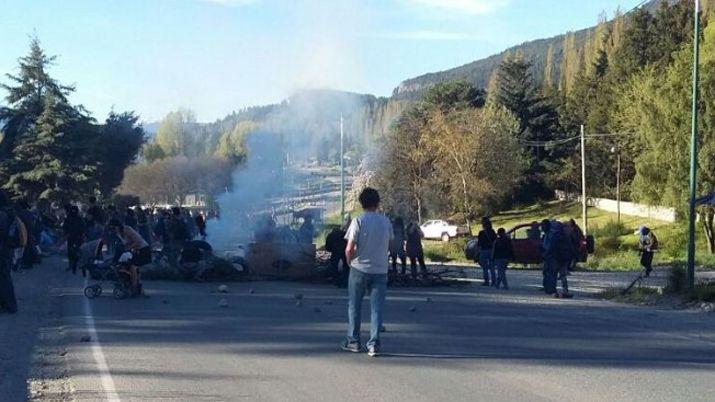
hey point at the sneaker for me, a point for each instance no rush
(353, 347)
(567, 296)
(373, 351)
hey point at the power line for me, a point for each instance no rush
(551, 143)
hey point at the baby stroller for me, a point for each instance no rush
(107, 270)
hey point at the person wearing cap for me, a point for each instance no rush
(647, 244)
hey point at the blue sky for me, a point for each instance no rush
(215, 56)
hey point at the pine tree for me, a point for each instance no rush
(49, 160)
(26, 98)
(536, 116)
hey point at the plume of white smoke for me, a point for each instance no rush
(321, 56)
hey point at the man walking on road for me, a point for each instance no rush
(369, 238)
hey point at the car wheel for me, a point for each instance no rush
(90, 292)
(445, 237)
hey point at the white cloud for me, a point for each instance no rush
(472, 7)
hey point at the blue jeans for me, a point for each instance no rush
(488, 271)
(501, 266)
(550, 271)
(375, 285)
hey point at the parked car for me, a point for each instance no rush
(443, 230)
(526, 241)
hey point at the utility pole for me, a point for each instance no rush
(618, 185)
(584, 212)
(342, 169)
(694, 151)
(617, 150)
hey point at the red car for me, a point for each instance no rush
(526, 241)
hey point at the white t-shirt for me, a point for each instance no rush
(372, 233)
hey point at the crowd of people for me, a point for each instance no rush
(560, 245)
(27, 232)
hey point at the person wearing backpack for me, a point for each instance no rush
(8, 303)
(558, 252)
(485, 244)
(647, 244)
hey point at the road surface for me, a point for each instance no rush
(464, 343)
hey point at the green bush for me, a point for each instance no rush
(676, 245)
(607, 246)
(610, 230)
(676, 278)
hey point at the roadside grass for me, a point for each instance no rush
(674, 293)
(637, 295)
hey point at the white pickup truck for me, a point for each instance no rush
(443, 230)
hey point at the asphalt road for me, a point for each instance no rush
(466, 343)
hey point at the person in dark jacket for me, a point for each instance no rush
(177, 235)
(95, 212)
(30, 255)
(414, 250)
(130, 218)
(502, 254)
(557, 251)
(485, 244)
(74, 229)
(397, 246)
(8, 302)
(335, 244)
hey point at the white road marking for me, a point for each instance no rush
(106, 377)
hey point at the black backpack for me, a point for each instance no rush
(563, 247)
(471, 249)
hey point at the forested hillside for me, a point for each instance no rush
(537, 51)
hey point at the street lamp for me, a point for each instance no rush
(693, 151)
(617, 150)
(342, 168)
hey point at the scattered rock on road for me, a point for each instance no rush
(251, 291)
(413, 309)
(299, 303)
(298, 296)
(428, 300)
(85, 338)
(223, 303)
(223, 289)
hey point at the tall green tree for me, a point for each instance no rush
(52, 159)
(535, 113)
(27, 95)
(117, 145)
